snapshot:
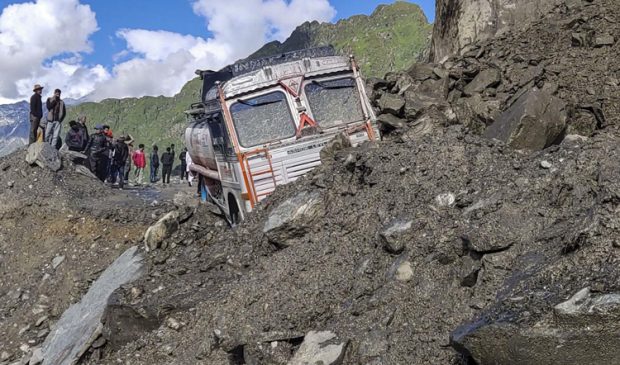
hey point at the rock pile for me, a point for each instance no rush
(534, 86)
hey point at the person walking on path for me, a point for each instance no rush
(56, 113)
(167, 160)
(121, 154)
(36, 112)
(139, 161)
(129, 141)
(97, 152)
(154, 160)
(183, 164)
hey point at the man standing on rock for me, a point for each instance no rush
(98, 153)
(139, 160)
(167, 159)
(56, 113)
(36, 112)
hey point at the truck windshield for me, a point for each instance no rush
(262, 119)
(334, 102)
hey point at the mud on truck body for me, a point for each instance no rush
(263, 123)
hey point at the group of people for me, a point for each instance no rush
(167, 162)
(109, 158)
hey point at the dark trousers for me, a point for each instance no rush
(127, 171)
(118, 175)
(167, 170)
(183, 171)
(98, 167)
(154, 173)
(34, 128)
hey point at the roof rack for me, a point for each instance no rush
(246, 66)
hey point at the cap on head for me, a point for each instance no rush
(98, 127)
(37, 87)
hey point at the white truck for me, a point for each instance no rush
(263, 123)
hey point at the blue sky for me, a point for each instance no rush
(109, 47)
(177, 16)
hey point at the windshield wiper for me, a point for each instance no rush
(332, 87)
(245, 102)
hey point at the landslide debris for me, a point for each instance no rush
(59, 230)
(456, 240)
(437, 245)
(476, 224)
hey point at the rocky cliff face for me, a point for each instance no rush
(462, 22)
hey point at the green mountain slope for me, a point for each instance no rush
(150, 120)
(392, 38)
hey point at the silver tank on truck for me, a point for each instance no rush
(199, 145)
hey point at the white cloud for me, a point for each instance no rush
(156, 62)
(166, 60)
(32, 33)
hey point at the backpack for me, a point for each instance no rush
(75, 139)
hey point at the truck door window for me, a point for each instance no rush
(262, 119)
(334, 102)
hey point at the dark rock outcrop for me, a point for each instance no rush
(462, 22)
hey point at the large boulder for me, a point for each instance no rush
(534, 122)
(80, 325)
(43, 155)
(391, 103)
(582, 330)
(164, 228)
(293, 218)
(320, 348)
(485, 79)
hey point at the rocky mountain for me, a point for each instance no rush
(14, 126)
(393, 37)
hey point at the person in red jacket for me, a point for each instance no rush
(139, 160)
